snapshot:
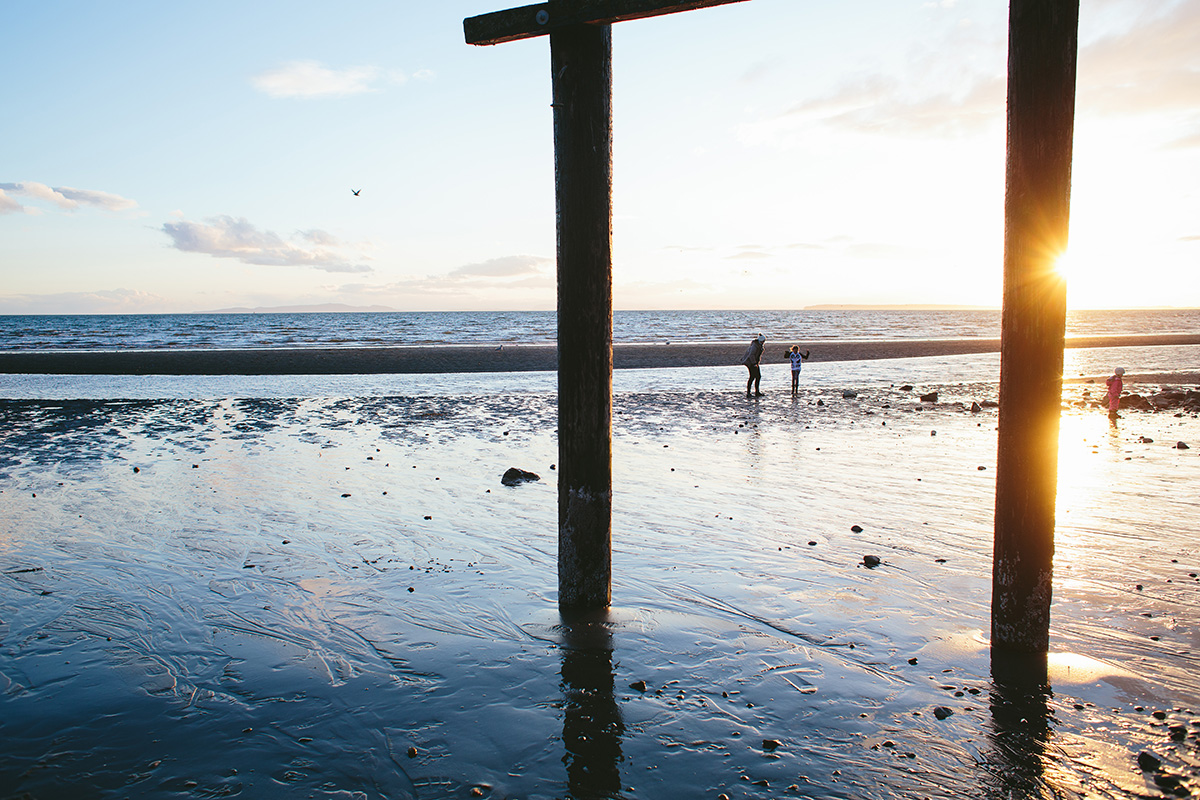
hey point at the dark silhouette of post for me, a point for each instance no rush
(581, 64)
(1043, 41)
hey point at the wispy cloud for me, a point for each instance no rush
(506, 267)
(114, 301)
(1149, 64)
(532, 275)
(881, 104)
(237, 238)
(309, 79)
(66, 198)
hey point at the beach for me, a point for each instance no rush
(336, 597)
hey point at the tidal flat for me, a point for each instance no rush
(336, 597)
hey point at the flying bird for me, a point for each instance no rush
(355, 192)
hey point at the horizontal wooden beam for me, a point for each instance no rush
(527, 22)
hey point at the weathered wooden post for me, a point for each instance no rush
(1043, 40)
(581, 63)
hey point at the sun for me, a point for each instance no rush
(1066, 265)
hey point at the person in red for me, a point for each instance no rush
(1115, 385)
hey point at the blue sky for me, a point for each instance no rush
(767, 154)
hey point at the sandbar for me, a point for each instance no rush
(486, 358)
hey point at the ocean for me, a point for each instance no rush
(432, 328)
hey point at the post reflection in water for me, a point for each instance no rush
(592, 724)
(1014, 763)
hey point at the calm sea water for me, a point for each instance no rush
(390, 329)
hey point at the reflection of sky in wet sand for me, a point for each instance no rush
(226, 617)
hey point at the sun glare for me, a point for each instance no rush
(1065, 266)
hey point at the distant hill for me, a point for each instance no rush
(894, 307)
(323, 308)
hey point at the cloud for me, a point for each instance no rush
(505, 267)
(114, 301)
(65, 197)
(529, 276)
(878, 104)
(8, 205)
(313, 79)
(1149, 63)
(229, 237)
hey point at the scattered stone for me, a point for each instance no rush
(912, 660)
(638, 686)
(1159, 714)
(770, 744)
(908, 387)
(346, 494)
(933, 433)
(812, 544)
(411, 590)
(976, 408)
(981, 468)
(1145, 440)
(412, 752)
(1167, 781)
(136, 470)
(849, 394)
(870, 562)
(1182, 446)
(941, 712)
(514, 477)
(1178, 732)
(427, 516)
(856, 528)
(820, 402)
(932, 397)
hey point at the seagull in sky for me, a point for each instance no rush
(355, 192)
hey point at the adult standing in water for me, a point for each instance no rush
(750, 359)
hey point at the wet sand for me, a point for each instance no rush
(338, 598)
(459, 359)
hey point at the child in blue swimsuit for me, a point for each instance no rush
(797, 358)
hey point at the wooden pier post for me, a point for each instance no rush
(581, 64)
(1043, 41)
(581, 61)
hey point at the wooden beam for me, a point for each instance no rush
(540, 19)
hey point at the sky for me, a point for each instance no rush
(188, 157)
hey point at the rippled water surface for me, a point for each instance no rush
(387, 329)
(325, 597)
